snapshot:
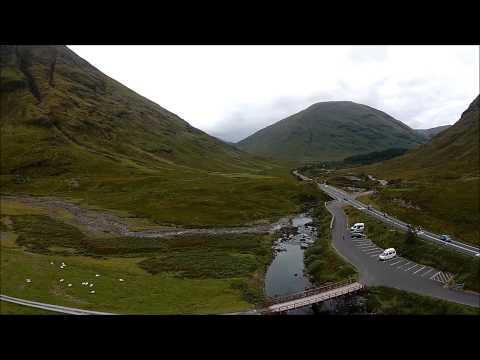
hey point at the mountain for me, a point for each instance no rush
(438, 182)
(452, 153)
(58, 110)
(429, 133)
(69, 130)
(331, 130)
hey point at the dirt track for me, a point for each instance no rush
(95, 221)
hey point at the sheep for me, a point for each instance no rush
(28, 280)
(97, 275)
(91, 285)
(121, 280)
(62, 280)
(92, 292)
(69, 285)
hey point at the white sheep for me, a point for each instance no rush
(28, 280)
(92, 292)
(69, 285)
(62, 280)
(97, 275)
(121, 280)
(91, 285)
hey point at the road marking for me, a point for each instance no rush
(392, 259)
(425, 273)
(360, 247)
(396, 262)
(404, 264)
(423, 267)
(376, 255)
(362, 241)
(414, 266)
(366, 245)
(435, 275)
(373, 251)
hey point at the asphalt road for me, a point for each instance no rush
(425, 235)
(397, 273)
(49, 307)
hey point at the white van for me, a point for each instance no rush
(357, 227)
(388, 254)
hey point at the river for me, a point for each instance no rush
(286, 274)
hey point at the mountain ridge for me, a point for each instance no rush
(330, 130)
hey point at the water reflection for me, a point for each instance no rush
(286, 274)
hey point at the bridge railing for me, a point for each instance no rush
(309, 292)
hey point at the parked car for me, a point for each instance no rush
(387, 254)
(357, 227)
(356, 235)
(446, 238)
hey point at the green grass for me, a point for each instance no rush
(322, 261)
(7, 308)
(446, 208)
(465, 268)
(192, 274)
(387, 301)
(191, 199)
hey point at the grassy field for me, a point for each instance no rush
(183, 275)
(7, 308)
(188, 198)
(443, 208)
(465, 268)
(387, 301)
(322, 261)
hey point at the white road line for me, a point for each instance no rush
(425, 273)
(414, 266)
(359, 243)
(395, 263)
(435, 275)
(392, 259)
(423, 267)
(366, 246)
(378, 251)
(370, 251)
(404, 264)
(375, 255)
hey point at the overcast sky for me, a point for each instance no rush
(232, 91)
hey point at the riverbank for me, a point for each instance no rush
(323, 262)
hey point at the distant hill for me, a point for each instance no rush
(329, 131)
(58, 111)
(429, 133)
(68, 130)
(452, 153)
(440, 178)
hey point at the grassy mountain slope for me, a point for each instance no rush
(437, 184)
(429, 133)
(331, 131)
(69, 130)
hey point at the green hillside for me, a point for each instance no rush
(437, 184)
(331, 130)
(69, 130)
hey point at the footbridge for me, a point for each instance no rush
(311, 296)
